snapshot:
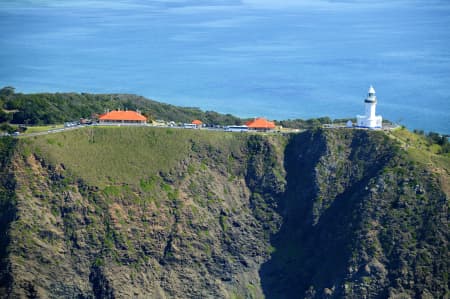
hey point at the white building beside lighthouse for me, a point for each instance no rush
(369, 120)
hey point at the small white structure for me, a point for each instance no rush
(370, 120)
(236, 128)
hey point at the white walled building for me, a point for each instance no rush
(369, 120)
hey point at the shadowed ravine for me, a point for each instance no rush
(312, 252)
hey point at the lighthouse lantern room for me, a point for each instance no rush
(369, 120)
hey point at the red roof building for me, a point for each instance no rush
(125, 117)
(197, 122)
(260, 123)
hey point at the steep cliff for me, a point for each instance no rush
(361, 220)
(156, 213)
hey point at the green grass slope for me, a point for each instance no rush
(107, 155)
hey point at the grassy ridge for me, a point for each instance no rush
(421, 150)
(106, 155)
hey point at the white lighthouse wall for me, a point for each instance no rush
(363, 121)
(370, 110)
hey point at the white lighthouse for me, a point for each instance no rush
(369, 120)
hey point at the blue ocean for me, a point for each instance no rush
(275, 58)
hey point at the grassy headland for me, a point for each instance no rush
(105, 155)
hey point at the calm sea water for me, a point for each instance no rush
(273, 58)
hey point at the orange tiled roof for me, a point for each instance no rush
(260, 123)
(197, 122)
(123, 115)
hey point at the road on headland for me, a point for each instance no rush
(71, 128)
(76, 127)
(59, 130)
(51, 131)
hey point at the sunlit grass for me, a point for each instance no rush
(420, 150)
(106, 155)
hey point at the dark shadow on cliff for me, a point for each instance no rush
(308, 256)
(7, 209)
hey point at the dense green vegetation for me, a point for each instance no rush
(7, 205)
(434, 138)
(56, 108)
(318, 122)
(305, 124)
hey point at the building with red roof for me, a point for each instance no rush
(122, 117)
(197, 122)
(260, 123)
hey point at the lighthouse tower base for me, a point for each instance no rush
(370, 119)
(375, 122)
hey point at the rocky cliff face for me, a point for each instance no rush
(318, 214)
(361, 220)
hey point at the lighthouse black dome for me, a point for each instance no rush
(371, 98)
